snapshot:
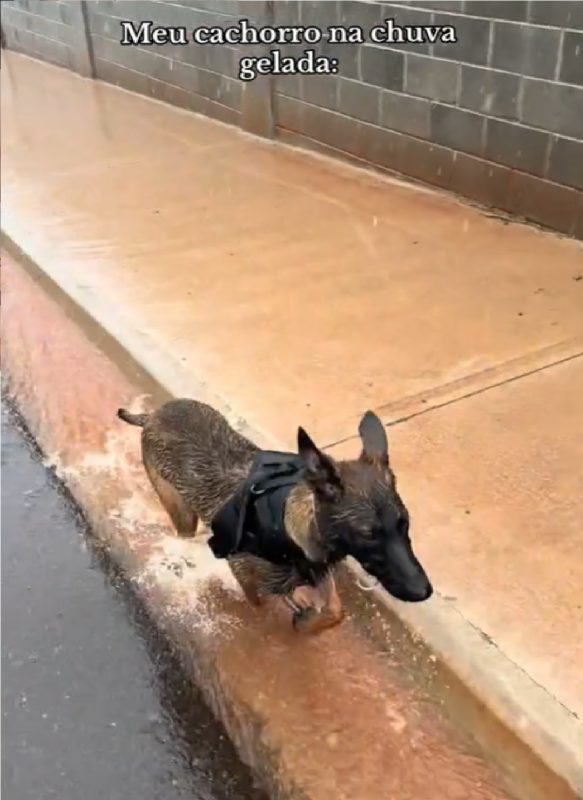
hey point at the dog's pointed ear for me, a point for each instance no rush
(321, 471)
(375, 447)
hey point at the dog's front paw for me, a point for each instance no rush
(311, 621)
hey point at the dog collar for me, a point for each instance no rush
(252, 521)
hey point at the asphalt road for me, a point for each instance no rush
(94, 704)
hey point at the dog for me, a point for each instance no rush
(283, 520)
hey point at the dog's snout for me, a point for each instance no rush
(422, 591)
(402, 575)
(411, 591)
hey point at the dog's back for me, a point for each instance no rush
(192, 447)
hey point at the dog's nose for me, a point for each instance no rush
(411, 592)
(427, 592)
(420, 592)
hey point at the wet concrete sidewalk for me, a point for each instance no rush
(302, 291)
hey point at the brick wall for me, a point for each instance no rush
(496, 117)
(41, 29)
(200, 78)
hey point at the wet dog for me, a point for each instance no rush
(283, 520)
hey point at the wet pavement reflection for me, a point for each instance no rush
(94, 703)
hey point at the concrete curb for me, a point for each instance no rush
(523, 729)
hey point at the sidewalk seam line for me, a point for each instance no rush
(467, 395)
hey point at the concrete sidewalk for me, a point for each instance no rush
(295, 290)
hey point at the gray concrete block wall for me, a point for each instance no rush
(496, 113)
(41, 28)
(198, 77)
(496, 117)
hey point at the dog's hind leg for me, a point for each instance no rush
(183, 518)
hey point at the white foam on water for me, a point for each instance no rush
(54, 461)
(118, 457)
(396, 719)
(198, 565)
(184, 569)
(137, 510)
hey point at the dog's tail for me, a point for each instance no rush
(132, 419)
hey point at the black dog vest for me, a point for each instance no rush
(252, 521)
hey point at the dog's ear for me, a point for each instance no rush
(321, 472)
(375, 447)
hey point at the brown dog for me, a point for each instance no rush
(283, 520)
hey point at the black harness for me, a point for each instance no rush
(252, 521)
